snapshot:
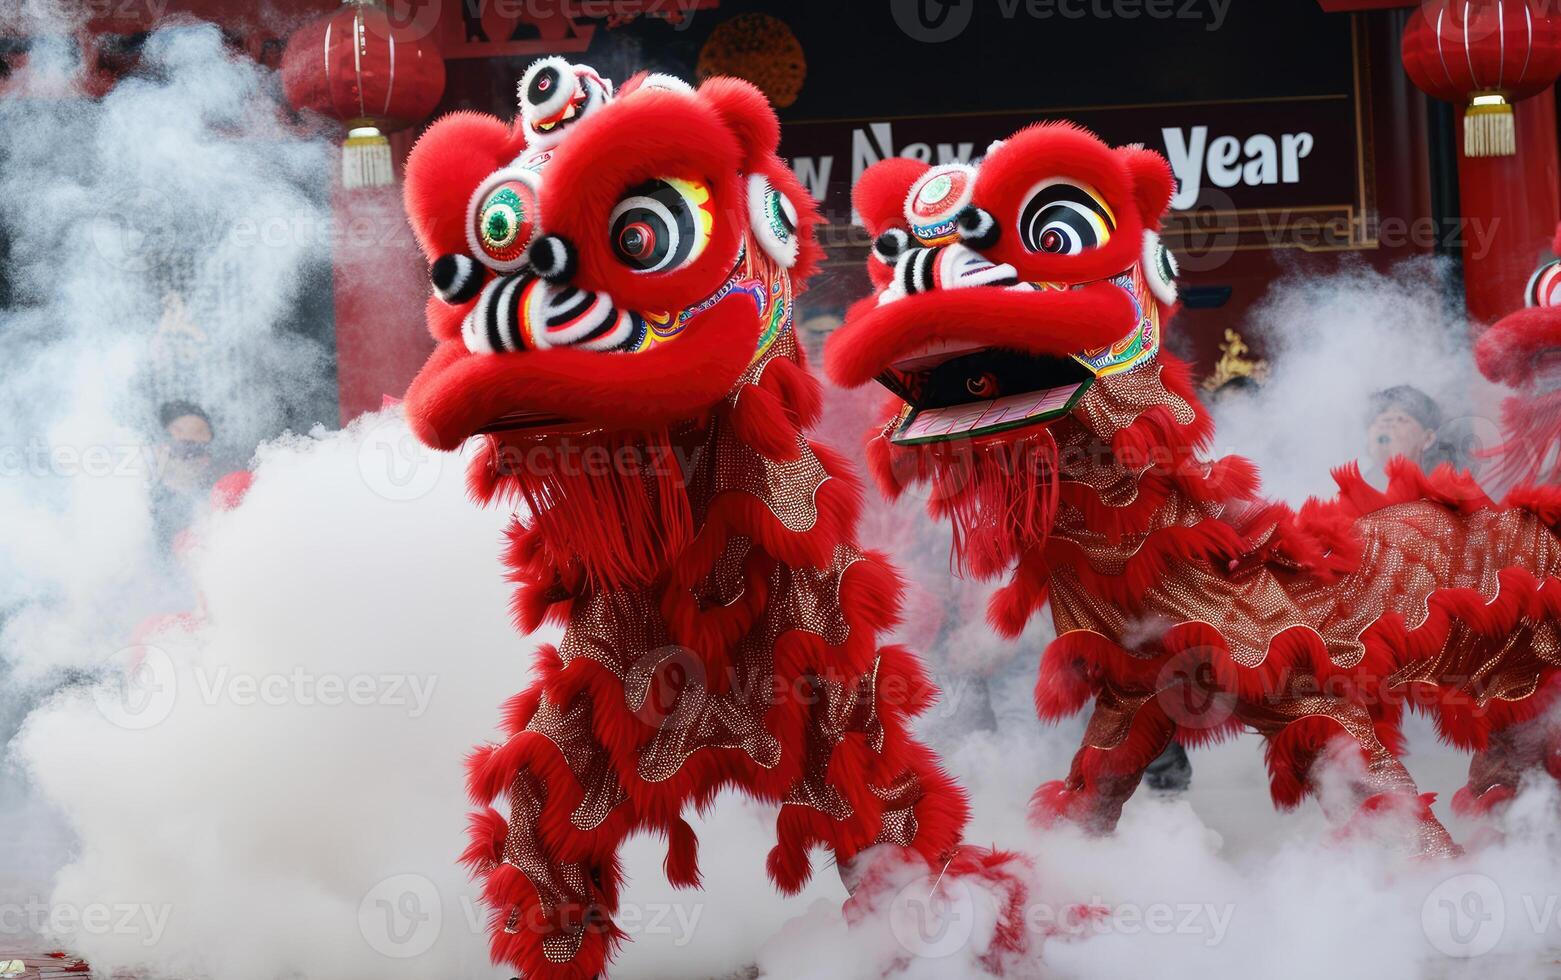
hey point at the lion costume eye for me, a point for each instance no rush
(1064, 218)
(1544, 286)
(502, 219)
(661, 225)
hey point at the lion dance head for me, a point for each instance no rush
(1004, 291)
(606, 269)
(1523, 352)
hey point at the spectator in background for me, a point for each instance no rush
(184, 466)
(1403, 421)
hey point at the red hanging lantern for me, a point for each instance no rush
(1484, 55)
(356, 66)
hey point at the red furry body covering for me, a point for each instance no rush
(1189, 607)
(720, 631)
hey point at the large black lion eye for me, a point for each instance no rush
(661, 225)
(1064, 218)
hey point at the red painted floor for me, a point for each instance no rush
(43, 966)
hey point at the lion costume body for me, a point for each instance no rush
(615, 277)
(1018, 322)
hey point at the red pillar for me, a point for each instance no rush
(1510, 209)
(381, 284)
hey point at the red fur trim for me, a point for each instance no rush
(760, 420)
(487, 830)
(1069, 666)
(1003, 874)
(796, 389)
(1012, 605)
(449, 160)
(682, 863)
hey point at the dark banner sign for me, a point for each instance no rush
(1281, 173)
(504, 28)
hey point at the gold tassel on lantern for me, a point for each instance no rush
(365, 159)
(1488, 127)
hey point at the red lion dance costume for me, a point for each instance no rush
(1018, 320)
(1523, 352)
(615, 280)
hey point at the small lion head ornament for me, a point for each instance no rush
(607, 269)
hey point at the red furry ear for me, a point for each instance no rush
(747, 114)
(879, 194)
(1153, 183)
(450, 159)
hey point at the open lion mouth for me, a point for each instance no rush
(573, 109)
(959, 392)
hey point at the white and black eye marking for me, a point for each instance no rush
(774, 221)
(1063, 218)
(659, 225)
(553, 258)
(1544, 286)
(1160, 268)
(547, 87)
(977, 228)
(888, 246)
(456, 278)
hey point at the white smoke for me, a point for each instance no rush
(1331, 343)
(271, 788)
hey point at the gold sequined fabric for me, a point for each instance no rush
(670, 700)
(1409, 552)
(561, 885)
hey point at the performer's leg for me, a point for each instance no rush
(1533, 746)
(1125, 734)
(1302, 732)
(1171, 771)
(549, 865)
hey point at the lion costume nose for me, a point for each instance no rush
(922, 270)
(522, 312)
